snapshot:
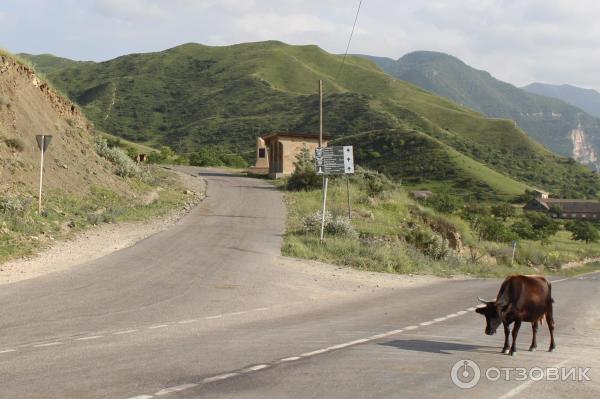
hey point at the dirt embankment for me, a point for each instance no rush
(28, 107)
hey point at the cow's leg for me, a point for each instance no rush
(515, 332)
(550, 321)
(506, 334)
(534, 328)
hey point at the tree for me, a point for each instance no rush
(304, 176)
(543, 225)
(503, 210)
(583, 231)
(524, 229)
(493, 229)
(445, 203)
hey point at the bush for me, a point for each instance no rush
(583, 231)
(14, 205)
(339, 226)
(444, 203)
(16, 144)
(125, 166)
(492, 229)
(429, 243)
(304, 176)
(215, 156)
(503, 210)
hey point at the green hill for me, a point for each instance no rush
(552, 122)
(48, 63)
(193, 95)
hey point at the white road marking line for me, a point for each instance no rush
(259, 309)
(517, 390)
(7, 351)
(141, 397)
(237, 313)
(255, 368)
(426, 323)
(124, 332)
(219, 377)
(317, 352)
(89, 338)
(187, 321)
(177, 388)
(558, 281)
(411, 328)
(213, 317)
(48, 344)
(461, 312)
(439, 319)
(158, 326)
(471, 309)
(290, 359)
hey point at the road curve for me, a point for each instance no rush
(203, 310)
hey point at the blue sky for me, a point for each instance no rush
(554, 41)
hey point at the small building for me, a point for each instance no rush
(566, 208)
(276, 153)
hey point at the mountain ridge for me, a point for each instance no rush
(586, 99)
(195, 95)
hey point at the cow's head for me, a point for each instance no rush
(492, 316)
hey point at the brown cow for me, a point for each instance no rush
(521, 298)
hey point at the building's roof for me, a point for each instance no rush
(572, 205)
(308, 135)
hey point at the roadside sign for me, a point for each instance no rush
(336, 160)
(43, 140)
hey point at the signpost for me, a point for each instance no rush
(43, 141)
(336, 160)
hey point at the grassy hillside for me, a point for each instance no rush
(547, 120)
(193, 95)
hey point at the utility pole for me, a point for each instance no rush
(321, 146)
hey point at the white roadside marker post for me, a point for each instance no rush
(43, 142)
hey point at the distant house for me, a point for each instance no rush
(276, 152)
(566, 208)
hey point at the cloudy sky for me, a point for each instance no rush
(520, 41)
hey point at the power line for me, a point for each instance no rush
(350, 39)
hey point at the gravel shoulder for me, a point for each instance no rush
(98, 241)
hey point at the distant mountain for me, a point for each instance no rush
(565, 129)
(586, 99)
(193, 95)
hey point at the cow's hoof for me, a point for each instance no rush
(505, 351)
(532, 349)
(551, 350)
(513, 353)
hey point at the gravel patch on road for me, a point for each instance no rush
(98, 241)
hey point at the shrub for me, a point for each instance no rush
(14, 205)
(339, 226)
(492, 229)
(304, 176)
(583, 231)
(16, 144)
(125, 166)
(503, 210)
(445, 203)
(212, 156)
(429, 243)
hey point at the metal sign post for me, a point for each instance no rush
(337, 160)
(43, 142)
(514, 249)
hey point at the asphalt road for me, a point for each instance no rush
(204, 311)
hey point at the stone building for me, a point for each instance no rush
(276, 152)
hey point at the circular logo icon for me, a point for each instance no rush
(465, 374)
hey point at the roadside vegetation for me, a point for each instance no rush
(444, 235)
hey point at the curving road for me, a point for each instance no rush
(206, 310)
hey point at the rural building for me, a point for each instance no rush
(276, 152)
(566, 208)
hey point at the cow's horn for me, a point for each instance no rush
(482, 300)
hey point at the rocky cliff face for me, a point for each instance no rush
(583, 151)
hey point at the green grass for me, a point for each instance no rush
(193, 95)
(385, 223)
(25, 232)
